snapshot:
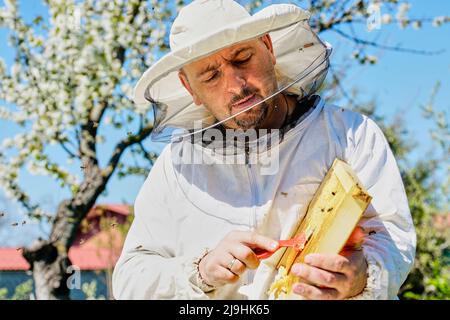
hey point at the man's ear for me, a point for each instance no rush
(267, 40)
(185, 82)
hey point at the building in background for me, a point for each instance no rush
(97, 247)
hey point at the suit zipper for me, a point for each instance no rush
(254, 194)
(253, 187)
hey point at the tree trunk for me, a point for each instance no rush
(49, 271)
(49, 259)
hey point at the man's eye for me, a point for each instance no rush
(211, 78)
(242, 61)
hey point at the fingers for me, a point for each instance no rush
(245, 255)
(255, 240)
(330, 262)
(242, 244)
(237, 267)
(237, 247)
(311, 292)
(223, 276)
(214, 269)
(345, 277)
(318, 276)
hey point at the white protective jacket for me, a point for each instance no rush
(182, 209)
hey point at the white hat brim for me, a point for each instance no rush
(275, 20)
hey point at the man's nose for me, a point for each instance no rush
(235, 80)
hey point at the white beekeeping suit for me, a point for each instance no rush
(186, 206)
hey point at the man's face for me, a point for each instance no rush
(233, 79)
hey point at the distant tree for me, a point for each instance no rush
(427, 186)
(90, 291)
(71, 77)
(23, 291)
(427, 183)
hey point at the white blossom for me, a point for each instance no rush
(7, 143)
(372, 59)
(127, 90)
(402, 14)
(15, 70)
(438, 21)
(386, 18)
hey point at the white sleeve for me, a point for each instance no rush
(390, 242)
(148, 267)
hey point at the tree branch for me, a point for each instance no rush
(341, 88)
(147, 154)
(70, 153)
(122, 146)
(377, 45)
(119, 53)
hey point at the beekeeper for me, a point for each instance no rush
(250, 144)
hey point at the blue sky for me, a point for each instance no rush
(400, 83)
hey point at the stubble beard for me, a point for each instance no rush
(253, 118)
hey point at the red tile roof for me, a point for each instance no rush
(442, 221)
(98, 210)
(85, 258)
(98, 250)
(12, 259)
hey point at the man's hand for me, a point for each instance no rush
(326, 276)
(235, 250)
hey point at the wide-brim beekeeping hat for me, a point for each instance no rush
(206, 26)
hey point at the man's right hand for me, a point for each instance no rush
(235, 250)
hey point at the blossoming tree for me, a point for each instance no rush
(69, 71)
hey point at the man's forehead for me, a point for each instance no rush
(210, 62)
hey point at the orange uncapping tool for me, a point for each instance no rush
(298, 243)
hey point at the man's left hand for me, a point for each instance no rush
(331, 276)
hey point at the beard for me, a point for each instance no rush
(252, 118)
